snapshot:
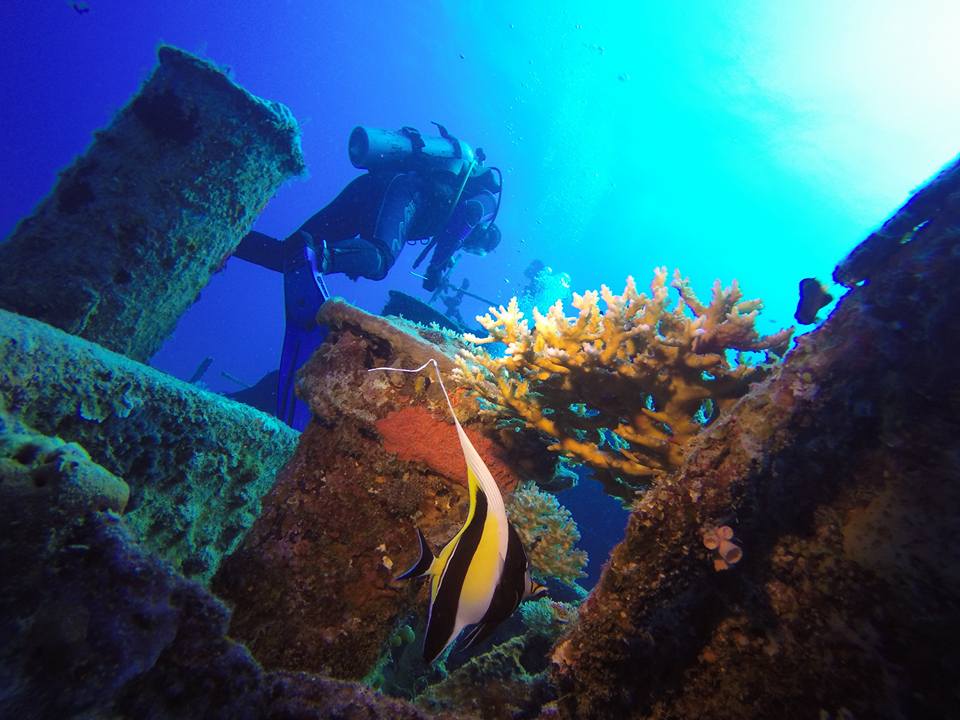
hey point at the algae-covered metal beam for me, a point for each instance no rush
(89, 619)
(197, 464)
(136, 225)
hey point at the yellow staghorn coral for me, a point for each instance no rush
(626, 382)
(549, 533)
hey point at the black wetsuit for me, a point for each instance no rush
(361, 233)
(366, 226)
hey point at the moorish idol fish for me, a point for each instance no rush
(482, 575)
(813, 296)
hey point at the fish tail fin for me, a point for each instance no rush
(422, 565)
(536, 591)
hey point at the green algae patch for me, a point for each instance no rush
(197, 464)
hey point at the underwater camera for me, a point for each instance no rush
(408, 149)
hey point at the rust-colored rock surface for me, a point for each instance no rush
(429, 444)
(839, 476)
(312, 585)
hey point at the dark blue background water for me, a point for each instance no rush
(736, 139)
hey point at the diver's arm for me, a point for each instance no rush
(437, 273)
(442, 260)
(468, 214)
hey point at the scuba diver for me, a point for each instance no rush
(419, 190)
(544, 287)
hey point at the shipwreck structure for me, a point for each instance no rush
(170, 553)
(135, 226)
(838, 475)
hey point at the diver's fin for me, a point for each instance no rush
(304, 292)
(201, 369)
(423, 563)
(262, 250)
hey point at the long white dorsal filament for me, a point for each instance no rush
(436, 367)
(474, 461)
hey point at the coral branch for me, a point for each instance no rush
(549, 533)
(627, 381)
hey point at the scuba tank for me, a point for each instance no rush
(408, 149)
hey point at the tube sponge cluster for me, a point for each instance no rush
(721, 539)
(625, 383)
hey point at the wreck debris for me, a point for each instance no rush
(309, 584)
(938, 199)
(157, 203)
(91, 620)
(165, 438)
(840, 472)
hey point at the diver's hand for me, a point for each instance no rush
(433, 280)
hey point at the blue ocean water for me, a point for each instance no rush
(742, 140)
(732, 140)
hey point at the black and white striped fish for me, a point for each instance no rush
(482, 575)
